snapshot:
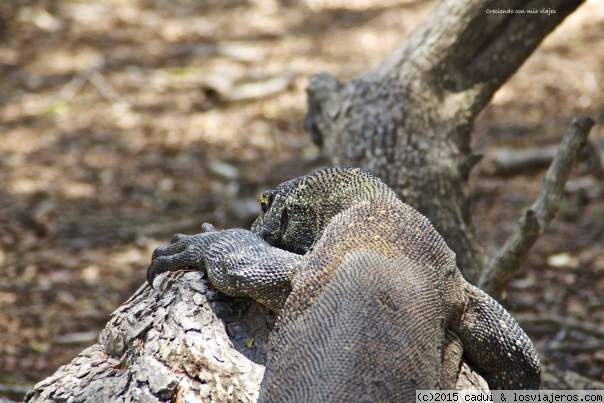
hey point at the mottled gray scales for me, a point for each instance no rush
(341, 355)
(239, 263)
(371, 303)
(492, 328)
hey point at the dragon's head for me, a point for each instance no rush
(295, 213)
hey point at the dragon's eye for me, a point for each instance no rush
(266, 199)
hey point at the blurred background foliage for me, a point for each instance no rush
(125, 121)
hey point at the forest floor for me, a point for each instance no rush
(126, 121)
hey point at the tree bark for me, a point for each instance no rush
(409, 121)
(182, 342)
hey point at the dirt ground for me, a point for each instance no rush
(123, 122)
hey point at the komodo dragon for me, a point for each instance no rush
(368, 294)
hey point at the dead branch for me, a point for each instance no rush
(538, 217)
(237, 89)
(509, 161)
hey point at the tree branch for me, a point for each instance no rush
(509, 161)
(467, 47)
(537, 218)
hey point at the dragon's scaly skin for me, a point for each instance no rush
(366, 289)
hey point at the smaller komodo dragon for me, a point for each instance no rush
(369, 295)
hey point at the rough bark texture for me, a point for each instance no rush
(182, 342)
(409, 121)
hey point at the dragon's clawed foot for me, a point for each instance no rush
(183, 252)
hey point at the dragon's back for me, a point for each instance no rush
(363, 312)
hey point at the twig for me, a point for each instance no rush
(103, 86)
(507, 161)
(70, 90)
(77, 338)
(94, 77)
(259, 89)
(537, 218)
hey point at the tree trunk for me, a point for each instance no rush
(409, 121)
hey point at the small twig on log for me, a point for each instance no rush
(537, 218)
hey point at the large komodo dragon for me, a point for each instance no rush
(368, 294)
